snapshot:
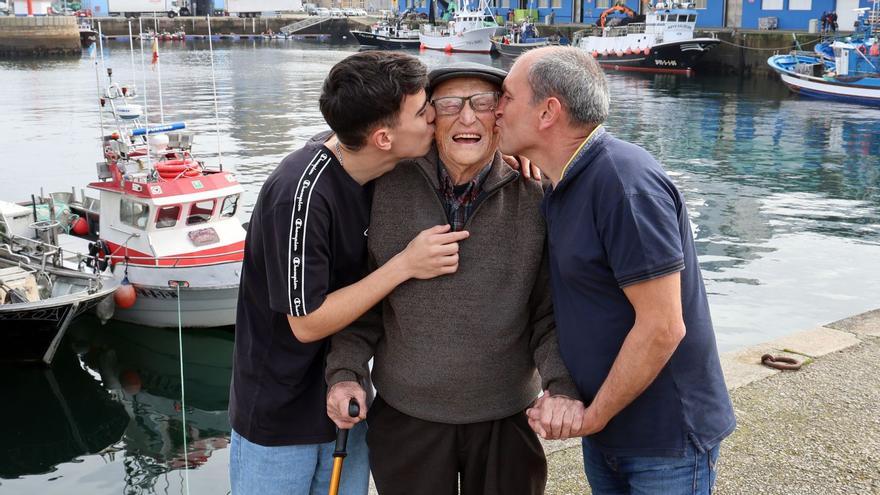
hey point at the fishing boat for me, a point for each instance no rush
(468, 31)
(163, 222)
(506, 48)
(38, 301)
(387, 35)
(87, 34)
(851, 73)
(513, 45)
(663, 42)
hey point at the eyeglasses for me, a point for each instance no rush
(452, 105)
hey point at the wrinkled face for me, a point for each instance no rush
(466, 138)
(515, 113)
(415, 127)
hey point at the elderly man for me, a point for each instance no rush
(633, 318)
(456, 357)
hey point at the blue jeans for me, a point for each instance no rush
(298, 469)
(693, 474)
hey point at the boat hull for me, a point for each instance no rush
(379, 41)
(475, 41)
(208, 298)
(32, 334)
(515, 49)
(853, 91)
(678, 57)
(199, 308)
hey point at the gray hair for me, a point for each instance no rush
(572, 76)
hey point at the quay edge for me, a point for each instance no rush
(38, 36)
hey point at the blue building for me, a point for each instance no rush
(789, 14)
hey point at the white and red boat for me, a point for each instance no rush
(168, 221)
(468, 31)
(162, 219)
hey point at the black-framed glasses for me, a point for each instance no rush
(479, 102)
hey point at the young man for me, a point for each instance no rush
(305, 277)
(631, 310)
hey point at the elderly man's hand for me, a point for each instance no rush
(433, 252)
(555, 417)
(525, 166)
(337, 404)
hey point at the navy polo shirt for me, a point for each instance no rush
(614, 220)
(307, 238)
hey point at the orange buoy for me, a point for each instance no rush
(130, 381)
(448, 48)
(627, 51)
(80, 226)
(875, 49)
(647, 51)
(595, 54)
(125, 295)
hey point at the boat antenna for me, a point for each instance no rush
(214, 84)
(159, 77)
(100, 97)
(131, 52)
(101, 46)
(144, 76)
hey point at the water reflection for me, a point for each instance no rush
(55, 415)
(115, 391)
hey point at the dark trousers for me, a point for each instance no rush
(409, 456)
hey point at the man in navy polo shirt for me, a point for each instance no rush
(305, 275)
(631, 310)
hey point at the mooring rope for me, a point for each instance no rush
(766, 49)
(182, 389)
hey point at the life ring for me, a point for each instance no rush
(172, 169)
(175, 166)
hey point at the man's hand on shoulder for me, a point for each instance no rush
(432, 253)
(337, 404)
(524, 166)
(554, 417)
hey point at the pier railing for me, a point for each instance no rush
(299, 26)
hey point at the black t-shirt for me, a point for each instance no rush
(306, 239)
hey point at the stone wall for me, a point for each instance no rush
(38, 36)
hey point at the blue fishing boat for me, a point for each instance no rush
(845, 69)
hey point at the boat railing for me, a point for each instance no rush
(635, 28)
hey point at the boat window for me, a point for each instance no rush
(692, 18)
(682, 18)
(133, 214)
(167, 216)
(200, 212)
(230, 205)
(662, 18)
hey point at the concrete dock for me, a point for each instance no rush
(812, 431)
(38, 36)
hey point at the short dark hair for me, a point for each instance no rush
(366, 90)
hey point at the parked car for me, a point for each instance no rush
(322, 12)
(336, 13)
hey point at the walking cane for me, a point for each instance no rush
(339, 454)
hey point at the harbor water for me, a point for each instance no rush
(783, 193)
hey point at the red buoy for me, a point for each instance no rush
(125, 295)
(448, 48)
(81, 226)
(130, 381)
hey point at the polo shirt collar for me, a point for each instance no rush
(582, 150)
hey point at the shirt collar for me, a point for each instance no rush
(473, 186)
(598, 131)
